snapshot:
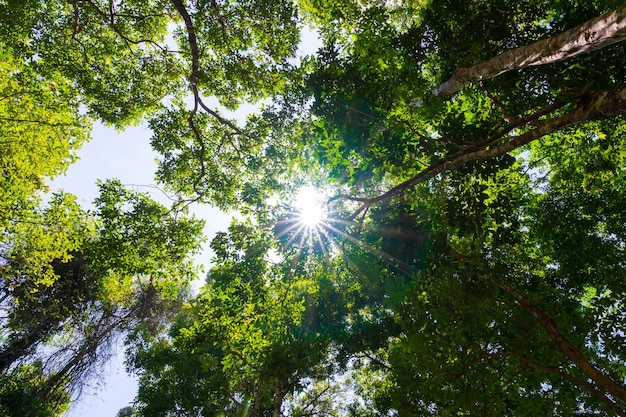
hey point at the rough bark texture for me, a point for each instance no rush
(279, 394)
(590, 36)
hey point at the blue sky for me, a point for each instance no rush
(126, 155)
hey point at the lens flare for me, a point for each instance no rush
(313, 227)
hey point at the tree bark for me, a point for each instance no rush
(279, 395)
(592, 35)
(567, 348)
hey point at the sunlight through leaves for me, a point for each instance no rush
(311, 207)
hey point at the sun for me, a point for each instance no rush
(307, 220)
(310, 206)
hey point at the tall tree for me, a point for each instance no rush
(454, 157)
(72, 282)
(454, 218)
(473, 240)
(241, 346)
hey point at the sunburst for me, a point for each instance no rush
(310, 206)
(312, 226)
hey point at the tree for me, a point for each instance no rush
(125, 69)
(590, 36)
(242, 346)
(72, 282)
(18, 395)
(112, 61)
(517, 315)
(41, 132)
(497, 272)
(474, 238)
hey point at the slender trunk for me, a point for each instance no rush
(279, 394)
(566, 347)
(85, 355)
(22, 345)
(559, 341)
(592, 35)
(14, 350)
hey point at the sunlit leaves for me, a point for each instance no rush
(73, 281)
(137, 236)
(41, 131)
(465, 272)
(247, 325)
(31, 241)
(116, 56)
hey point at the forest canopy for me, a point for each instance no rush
(460, 250)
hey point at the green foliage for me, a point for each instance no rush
(467, 289)
(41, 132)
(114, 59)
(19, 394)
(240, 344)
(73, 281)
(471, 262)
(139, 237)
(36, 238)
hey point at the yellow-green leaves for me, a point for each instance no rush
(40, 129)
(43, 234)
(138, 237)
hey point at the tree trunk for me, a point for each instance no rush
(279, 395)
(14, 350)
(86, 355)
(567, 349)
(17, 347)
(592, 35)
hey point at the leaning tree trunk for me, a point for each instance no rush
(592, 35)
(17, 347)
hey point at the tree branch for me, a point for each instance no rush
(595, 106)
(110, 18)
(576, 381)
(547, 323)
(193, 42)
